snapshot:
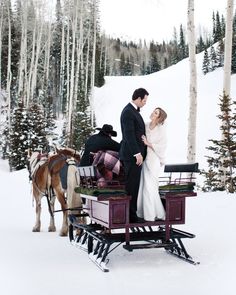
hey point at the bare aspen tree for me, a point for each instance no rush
(37, 53)
(30, 74)
(22, 76)
(191, 152)
(72, 75)
(47, 52)
(93, 62)
(9, 73)
(228, 48)
(68, 65)
(79, 50)
(62, 65)
(87, 62)
(227, 67)
(1, 26)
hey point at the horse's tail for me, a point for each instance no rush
(73, 199)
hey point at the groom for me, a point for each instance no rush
(133, 150)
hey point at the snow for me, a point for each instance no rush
(44, 263)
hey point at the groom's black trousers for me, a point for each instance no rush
(132, 179)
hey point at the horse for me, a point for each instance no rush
(46, 181)
(40, 177)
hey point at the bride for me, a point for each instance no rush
(149, 205)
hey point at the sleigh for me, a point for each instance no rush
(108, 210)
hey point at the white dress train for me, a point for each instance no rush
(149, 205)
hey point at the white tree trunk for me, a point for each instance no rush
(1, 25)
(9, 74)
(227, 62)
(72, 75)
(191, 152)
(35, 67)
(23, 54)
(47, 54)
(87, 64)
(93, 64)
(79, 50)
(30, 74)
(228, 47)
(62, 69)
(67, 68)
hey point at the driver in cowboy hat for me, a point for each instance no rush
(100, 141)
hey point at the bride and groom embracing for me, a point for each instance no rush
(142, 153)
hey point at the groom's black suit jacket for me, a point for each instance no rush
(132, 127)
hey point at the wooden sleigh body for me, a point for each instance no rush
(108, 210)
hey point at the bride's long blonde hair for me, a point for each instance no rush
(162, 116)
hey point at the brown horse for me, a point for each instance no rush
(46, 181)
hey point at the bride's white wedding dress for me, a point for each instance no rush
(149, 205)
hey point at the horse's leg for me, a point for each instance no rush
(52, 227)
(74, 199)
(37, 198)
(61, 199)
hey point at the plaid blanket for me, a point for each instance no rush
(107, 159)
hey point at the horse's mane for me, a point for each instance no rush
(69, 152)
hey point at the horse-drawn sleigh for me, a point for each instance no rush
(108, 210)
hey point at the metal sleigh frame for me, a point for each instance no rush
(109, 215)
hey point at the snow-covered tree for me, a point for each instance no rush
(206, 62)
(37, 135)
(220, 53)
(18, 138)
(222, 161)
(233, 66)
(212, 59)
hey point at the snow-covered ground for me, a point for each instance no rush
(46, 264)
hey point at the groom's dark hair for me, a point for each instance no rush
(140, 92)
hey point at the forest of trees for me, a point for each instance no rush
(52, 57)
(214, 54)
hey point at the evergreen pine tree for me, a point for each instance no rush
(218, 29)
(206, 63)
(128, 67)
(99, 65)
(221, 174)
(182, 45)
(222, 26)
(233, 64)
(81, 123)
(174, 55)
(122, 64)
(220, 54)
(154, 65)
(213, 24)
(213, 59)
(37, 126)
(50, 122)
(18, 138)
(200, 44)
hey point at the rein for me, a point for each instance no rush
(67, 209)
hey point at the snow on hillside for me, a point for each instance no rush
(169, 89)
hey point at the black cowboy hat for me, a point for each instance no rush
(107, 130)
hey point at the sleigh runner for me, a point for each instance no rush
(108, 209)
